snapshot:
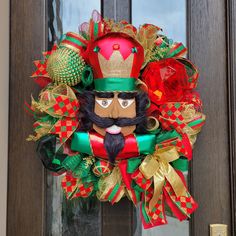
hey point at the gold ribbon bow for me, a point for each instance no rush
(158, 166)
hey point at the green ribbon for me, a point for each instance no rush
(115, 84)
(95, 30)
(176, 51)
(74, 40)
(196, 122)
(90, 177)
(82, 170)
(165, 135)
(180, 164)
(71, 162)
(146, 143)
(86, 79)
(133, 164)
(87, 76)
(81, 142)
(144, 213)
(136, 187)
(114, 192)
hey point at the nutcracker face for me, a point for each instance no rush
(119, 107)
(114, 115)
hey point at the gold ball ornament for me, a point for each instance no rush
(65, 66)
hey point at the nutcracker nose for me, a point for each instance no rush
(114, 111)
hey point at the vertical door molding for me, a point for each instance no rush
(4, 104)
(117, 219)
(25, 214)
(210, 182)
(117, 9)
(231, 61)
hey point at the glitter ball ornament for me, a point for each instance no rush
(65, 66)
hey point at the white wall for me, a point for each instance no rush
(4, 102)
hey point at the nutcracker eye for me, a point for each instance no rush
(125, 102)
(105, 103)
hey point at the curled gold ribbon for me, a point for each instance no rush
(158, 166)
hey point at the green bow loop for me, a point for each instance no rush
(83, 169)
(87, 76)
(133, 164)
(181, 164)
(166, 135)
(71, 162)
(86, 79)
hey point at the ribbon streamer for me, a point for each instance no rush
(158, 166)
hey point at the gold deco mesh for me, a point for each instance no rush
(65, 66)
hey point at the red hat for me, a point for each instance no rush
(116, 59)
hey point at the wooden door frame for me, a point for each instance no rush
(25, 210)
(211, 26)
(4, 104)
(231, 73)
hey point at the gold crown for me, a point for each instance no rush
(116, 66)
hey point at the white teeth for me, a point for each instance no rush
(114, 129)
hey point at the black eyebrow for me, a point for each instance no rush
(127, 95)
(104, 95)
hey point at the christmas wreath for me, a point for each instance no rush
(117, 115)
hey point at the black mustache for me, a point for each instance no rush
(105, 122)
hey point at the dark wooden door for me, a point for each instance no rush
(212, 44)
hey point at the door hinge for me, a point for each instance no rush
(218, 230)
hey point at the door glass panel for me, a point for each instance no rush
(170, 15)
(77, 216)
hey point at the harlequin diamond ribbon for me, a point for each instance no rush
(74, 187)
(171, 116)
(156, 216)
(66, 107)
(65, 127)
(182, 117)
(41, 76)
(181, 206)
(59, 102)
(78, 181)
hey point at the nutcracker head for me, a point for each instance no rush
(116, 60)
(115, 108)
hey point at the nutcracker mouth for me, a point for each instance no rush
(114, 129)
